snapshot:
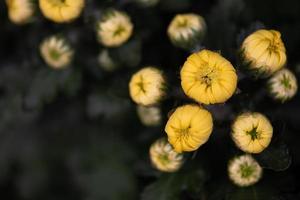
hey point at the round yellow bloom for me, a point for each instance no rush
(189, 127)
(20, 11)
(147, 86)
(252, 132)
(114, 28)
(264, 52)
(56, 52)
(163, 156)
(208, 78)
(283, 85)
(61, 11)
(244, 170)
(186, 30)
(149, 115)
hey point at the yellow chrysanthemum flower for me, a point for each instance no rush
(186, 30)
(264, 52)
(208, 78)
(283, 85)
(20, 11)
(149, 115)
(114, 28)
(163, 156)
(252, 132)
(244, 170)
(189, 127)
(56, 52)
(61, 11)
(147, 86)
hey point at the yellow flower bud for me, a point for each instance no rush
(283, 85)
(147, 86)
(189, 127)
(186, 30)
(114, 28)
(163, 156)
(106, 62)
(264, 52)
(20, 11)
(244, 170)
(61, 11)
(149, 115)
(56, 52)
(252, 132)
(208, 78)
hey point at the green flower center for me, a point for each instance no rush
(207, 74)
(55, 55)
(119, 31)
(164, 159)
(246, 170)
(286, 82)
(254, 134)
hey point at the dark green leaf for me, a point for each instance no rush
(275, 157)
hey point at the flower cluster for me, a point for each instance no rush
(207, 78)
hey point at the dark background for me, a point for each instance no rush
(74, 134)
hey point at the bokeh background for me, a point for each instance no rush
(74, 134)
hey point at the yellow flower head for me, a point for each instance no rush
(61, 11)
(264, 52)
(147, 86)
(252, 132)
(56, 52)
(149, 115)
(189, 127)
(244, 170)
(208, 78)
(283, 85)
(114, 28)
(20, 11)
(186, 30)
(163, 156)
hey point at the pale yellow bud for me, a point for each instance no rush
(114, 28)
(244, 171)
(252, 132)
(163, 156)
(264, 52)
(147, 86)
